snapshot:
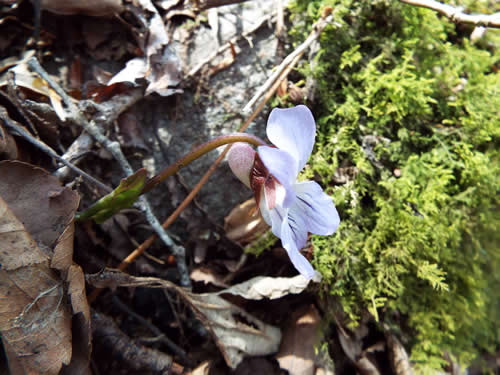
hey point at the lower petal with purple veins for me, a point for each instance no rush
(290, 238)
(316, 208)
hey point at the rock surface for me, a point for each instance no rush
(209, 108)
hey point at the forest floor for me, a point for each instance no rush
(110, 87)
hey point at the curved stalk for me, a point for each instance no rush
(200, 151)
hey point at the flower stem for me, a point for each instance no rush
(200, 151)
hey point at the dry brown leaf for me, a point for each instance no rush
(35, 308)
(400, 362)
(44, 334)
(207, 275)
(297, 354)
(261, 287)
(87, 7)
(236, 333)
(353, 347)
(244, 223)
(160, 65)
(8, 146)
(46, 208)
(202, 369)
(25, 78)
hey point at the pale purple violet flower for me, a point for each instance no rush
(291, 208)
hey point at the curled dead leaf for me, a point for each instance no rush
(400, 362)
(244, 223)
(261, 287)
(159, 66)
(25, 78)
(352, 344)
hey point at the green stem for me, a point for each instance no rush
(200, 151)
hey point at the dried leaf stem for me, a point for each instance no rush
(199, 151)
(207, 4)
(456, 15)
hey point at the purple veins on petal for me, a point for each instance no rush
(317, 208)
(293, 239)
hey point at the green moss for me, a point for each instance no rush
(412, 107)
(261, 244)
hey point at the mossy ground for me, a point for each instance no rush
(409, 110)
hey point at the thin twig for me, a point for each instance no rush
(206, 4)
(456, 15)
(19, 130)
(12, 90)
(317, 29)
(114, 148)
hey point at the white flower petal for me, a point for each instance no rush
(291, 230)
(301, 264)
(265, 211)
(316, 208)
(293, 239)
(293, 130)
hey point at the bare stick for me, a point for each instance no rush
(114, 148)
(317, 29)
(456, 15)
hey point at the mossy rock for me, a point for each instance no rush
(411, 109)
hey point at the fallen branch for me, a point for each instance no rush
(109, 339)
(456, 15)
